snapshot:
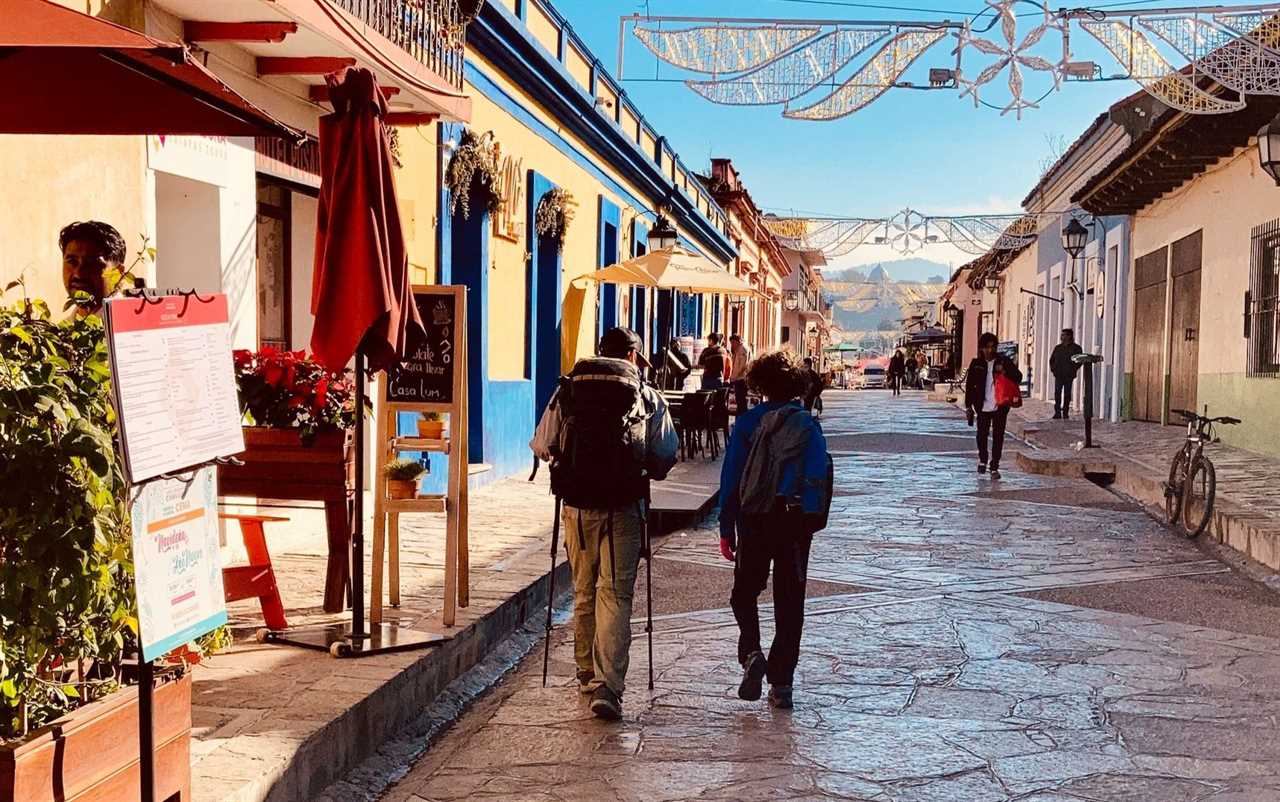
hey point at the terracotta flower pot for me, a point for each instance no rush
(402, 488)
(431, 429)
(92, 753)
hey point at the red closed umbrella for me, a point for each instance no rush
(361, 296)
(361, 299)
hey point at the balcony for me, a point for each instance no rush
(432, 31)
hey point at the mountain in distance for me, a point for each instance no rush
(908, 269)
(872, 299)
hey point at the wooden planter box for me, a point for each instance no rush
(92, 754)
(278, 466)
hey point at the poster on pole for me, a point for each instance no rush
(176, 564)
(174, 382)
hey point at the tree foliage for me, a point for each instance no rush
(66, 600)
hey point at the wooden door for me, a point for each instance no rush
(1184, 323)
(1148, 334)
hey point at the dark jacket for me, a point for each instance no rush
(1060, 363)
(975, 381)
(897, 365)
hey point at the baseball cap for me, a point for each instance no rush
(620, 341)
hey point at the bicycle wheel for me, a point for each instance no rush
(1175, 487)
(1197, 498)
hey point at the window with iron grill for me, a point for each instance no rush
(1262, 303)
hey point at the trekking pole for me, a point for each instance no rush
(551, 591)
(647, 539)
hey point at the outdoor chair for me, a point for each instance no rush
(257, 580)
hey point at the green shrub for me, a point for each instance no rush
(404, 469)
(66, 602)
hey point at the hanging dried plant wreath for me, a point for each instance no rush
(474, 167)
(553, 215)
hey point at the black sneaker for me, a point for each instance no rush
(586, 679)
(752, 677)
(1057, 416)
(605, 704)
(982, 468)
(995, 473)
(780, 696)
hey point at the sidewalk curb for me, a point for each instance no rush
(361, 730)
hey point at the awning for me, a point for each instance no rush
(63, 72)
(675, 269)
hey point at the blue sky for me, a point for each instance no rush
(931, 151)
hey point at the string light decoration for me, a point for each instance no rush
(1172, 87)
(1235, 62)
(720, 49)
(1012, 54)
(794, 73)
(906, 232)
(790, 62)
(873, 80)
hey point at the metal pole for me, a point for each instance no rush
(776, 21)
(357, 509)
(1088, 405)
(622, 38)
(146, 732)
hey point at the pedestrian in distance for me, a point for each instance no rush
(607, 435)
(897, 368)
(909, 370)
(814, 387)
(741, 359)
(985, 402)
(1064, 373)
(715, 362)
(775, 491)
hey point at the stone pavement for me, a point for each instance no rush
(939, 664)
(1247, 516)
(279, 723)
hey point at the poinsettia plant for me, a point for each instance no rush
(288, 390)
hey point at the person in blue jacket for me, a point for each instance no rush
(772, 500)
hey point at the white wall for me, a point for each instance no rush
(303, 243)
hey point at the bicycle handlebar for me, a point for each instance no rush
(1191, 416)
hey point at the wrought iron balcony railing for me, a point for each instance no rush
(432, 31)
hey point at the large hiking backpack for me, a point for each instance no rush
(604, 424)
(778, 443)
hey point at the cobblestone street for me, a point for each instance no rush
(1034, 639)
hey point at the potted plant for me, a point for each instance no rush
(431, 426)
(402, 477)
(68, 714)
(297, 415)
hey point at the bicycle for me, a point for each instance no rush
(1193, 481)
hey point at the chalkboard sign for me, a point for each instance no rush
(426, 376)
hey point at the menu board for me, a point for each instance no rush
(176, 564)
(174, 382)
(426, 376)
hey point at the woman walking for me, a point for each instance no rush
(982, 401)
(897, 368)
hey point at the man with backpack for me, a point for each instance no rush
(607, 435)
(775, 493)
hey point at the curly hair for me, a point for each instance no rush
(778, 375)
(101, 234)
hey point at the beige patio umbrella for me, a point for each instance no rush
(674, 269)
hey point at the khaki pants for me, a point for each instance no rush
(603, 589)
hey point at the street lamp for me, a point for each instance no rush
(1269, 149)
(663, 235)
(1074, 238)
(993, 283)
(792, 300)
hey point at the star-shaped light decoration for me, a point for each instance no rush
(1011, 54)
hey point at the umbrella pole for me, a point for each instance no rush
(357, 508)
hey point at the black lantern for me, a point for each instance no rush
(993, 282)
(1074, 238)
(663, 235)
(792, 300)
(1269, 149)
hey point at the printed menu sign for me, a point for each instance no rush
(426, 376)
(174, 382)
(175, 555)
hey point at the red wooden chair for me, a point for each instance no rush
(257, 580)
